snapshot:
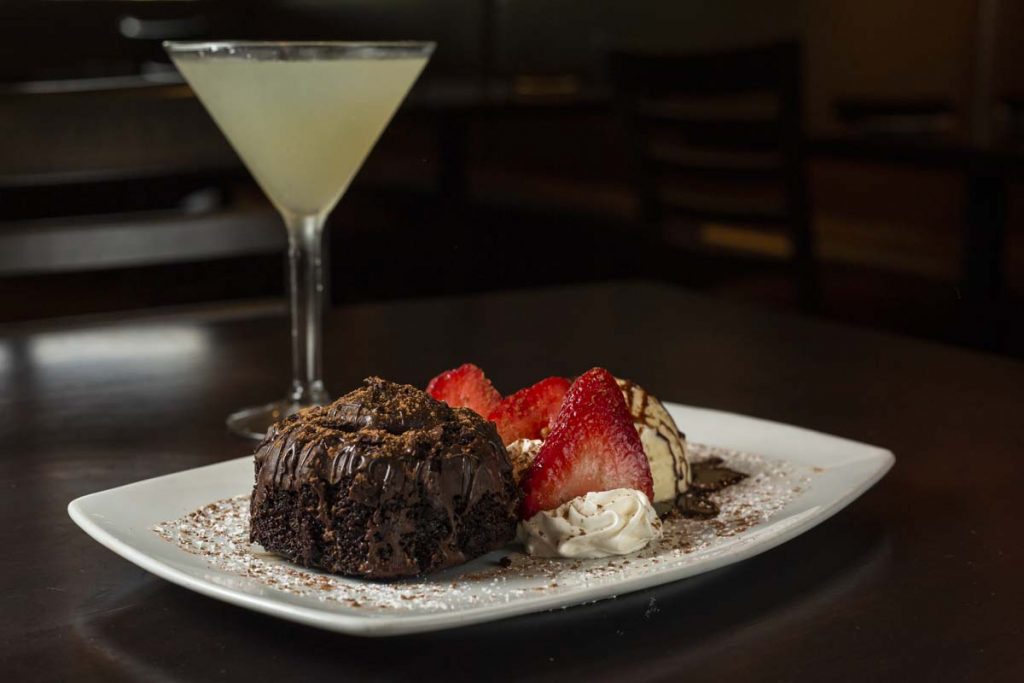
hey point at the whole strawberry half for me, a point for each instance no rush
(529, 413)
(465, 387)
(593, 446)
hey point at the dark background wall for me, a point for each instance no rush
(101, 186)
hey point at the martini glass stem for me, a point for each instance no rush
(306, 280)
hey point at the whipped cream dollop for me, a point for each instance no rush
(598, 524)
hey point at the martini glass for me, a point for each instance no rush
(302, 116)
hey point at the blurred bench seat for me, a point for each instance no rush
(126, 173)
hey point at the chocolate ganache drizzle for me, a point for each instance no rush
(709, 476)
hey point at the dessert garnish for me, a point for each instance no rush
(570, 445)
(593, 446)
(588, 491)
(529, 413)
(526, 414)
(465, 387)
(596, 524)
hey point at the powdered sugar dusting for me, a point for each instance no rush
(220, 533)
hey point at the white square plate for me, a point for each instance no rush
(123, 518)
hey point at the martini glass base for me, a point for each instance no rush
(253, 422)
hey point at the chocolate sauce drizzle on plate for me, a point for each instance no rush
(708, 476)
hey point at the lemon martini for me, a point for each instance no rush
(303, 117)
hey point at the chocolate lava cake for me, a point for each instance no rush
(383, 483)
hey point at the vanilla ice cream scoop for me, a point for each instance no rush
(663, 443)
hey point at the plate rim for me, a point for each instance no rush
(406, 624)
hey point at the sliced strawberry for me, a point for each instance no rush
(465, 387)
(593, 446)
(528, 413)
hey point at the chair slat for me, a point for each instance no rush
(707, 129)
(726, 134)
(732, 209)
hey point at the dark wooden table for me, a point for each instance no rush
(920, 579)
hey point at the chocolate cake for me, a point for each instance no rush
(383, 483)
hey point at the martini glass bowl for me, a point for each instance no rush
(302, 116)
